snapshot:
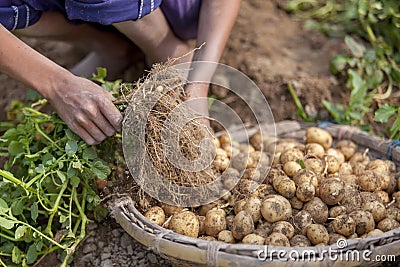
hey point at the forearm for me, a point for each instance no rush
(215, 24)
(27, 65)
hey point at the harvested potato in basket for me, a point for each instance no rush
(315, 193)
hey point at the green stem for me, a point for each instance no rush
(55, 209)
(46, 136)
(10, 177)
(2, 263)
(8, 237)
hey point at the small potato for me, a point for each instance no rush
(352, 199)
(216, 143)
(225, 139)
(314, 164)
(331, 191)
(284, 186)
(276, 208)
(388, 224)
(331, 164)
(300, 241)
(345, 169)
(215, 222)
(359, 157)
(382, 196)
(377, 209)
(344, 225)
(170, 210)
(253, 207)
(349, 179)
(392, 184)
(291, 168)
(317, 209)
(296, 203)
(242, 225)
(301, 220)
(305, 192)
(364, 221)
(253, 239)
(283, 227)
(226, 236)
(264, 229)
(291, 155)
(277, 239)
(374, 233)
(378, 166)
(368, 181)
(337, 154)
(241, 161)
(317, 234)
(347, 147)
(256, 141)
(391, 165)
(221, 163)
(319, 136)
(207, 207)
(247, 149)
(185, 223)
(358, 168)
(239, 206)
(314, 149)
(334, 238)
(305, 176)
(260, 159)
(156, 215)
(336, 211)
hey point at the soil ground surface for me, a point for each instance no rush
(266, 44)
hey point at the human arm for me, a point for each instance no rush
(215, 24)
(84, 106)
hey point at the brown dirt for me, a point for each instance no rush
(266, 44)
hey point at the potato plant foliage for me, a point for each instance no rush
(372, 34)
(48, 193)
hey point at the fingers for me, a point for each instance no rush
(112, 114)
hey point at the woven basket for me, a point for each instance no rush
(185, 251)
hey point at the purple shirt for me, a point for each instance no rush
(182, 15)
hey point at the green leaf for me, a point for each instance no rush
(356, 49)
(31, 254)
(40, 168)
(20, 231)
(61, 175)
(17, 207)
(15, 148)
(16, 255)
(384, 113)
(34, 211)
(100, 170)
(71, 135)
(3, 206)
(337, 64)
(75, 181)
(89, 153)
(301, 163)
(336, 113)
(5, 223)
(71, 172)
(71, 147)
(100, 213)
(395, 128)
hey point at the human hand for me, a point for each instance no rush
(86, 108)
(197, 101)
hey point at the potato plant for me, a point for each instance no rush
(47, 189)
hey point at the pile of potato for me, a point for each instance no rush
(314, 194)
